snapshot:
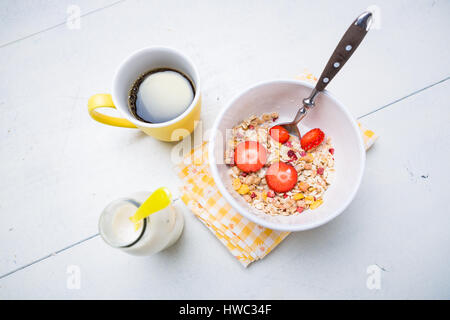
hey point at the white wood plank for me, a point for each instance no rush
(21, 19)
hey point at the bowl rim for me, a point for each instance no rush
(242, 210)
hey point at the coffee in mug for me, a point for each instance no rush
(160, 95)
(171, 118)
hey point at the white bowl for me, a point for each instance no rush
(284, 97)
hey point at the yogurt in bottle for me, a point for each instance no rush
(154, 233)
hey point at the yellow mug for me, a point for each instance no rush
(131, 68)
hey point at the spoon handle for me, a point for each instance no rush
(345, 48)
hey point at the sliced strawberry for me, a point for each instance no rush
(281, 177)
(279, 133)
(250, 156)
(312, 139)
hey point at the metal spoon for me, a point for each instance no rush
(344, 50)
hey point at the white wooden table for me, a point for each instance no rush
(59, 168)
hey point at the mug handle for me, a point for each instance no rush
(103, 100)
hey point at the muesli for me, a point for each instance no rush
(276, 172)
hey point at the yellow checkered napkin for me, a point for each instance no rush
(245, 240)
(368, 136)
